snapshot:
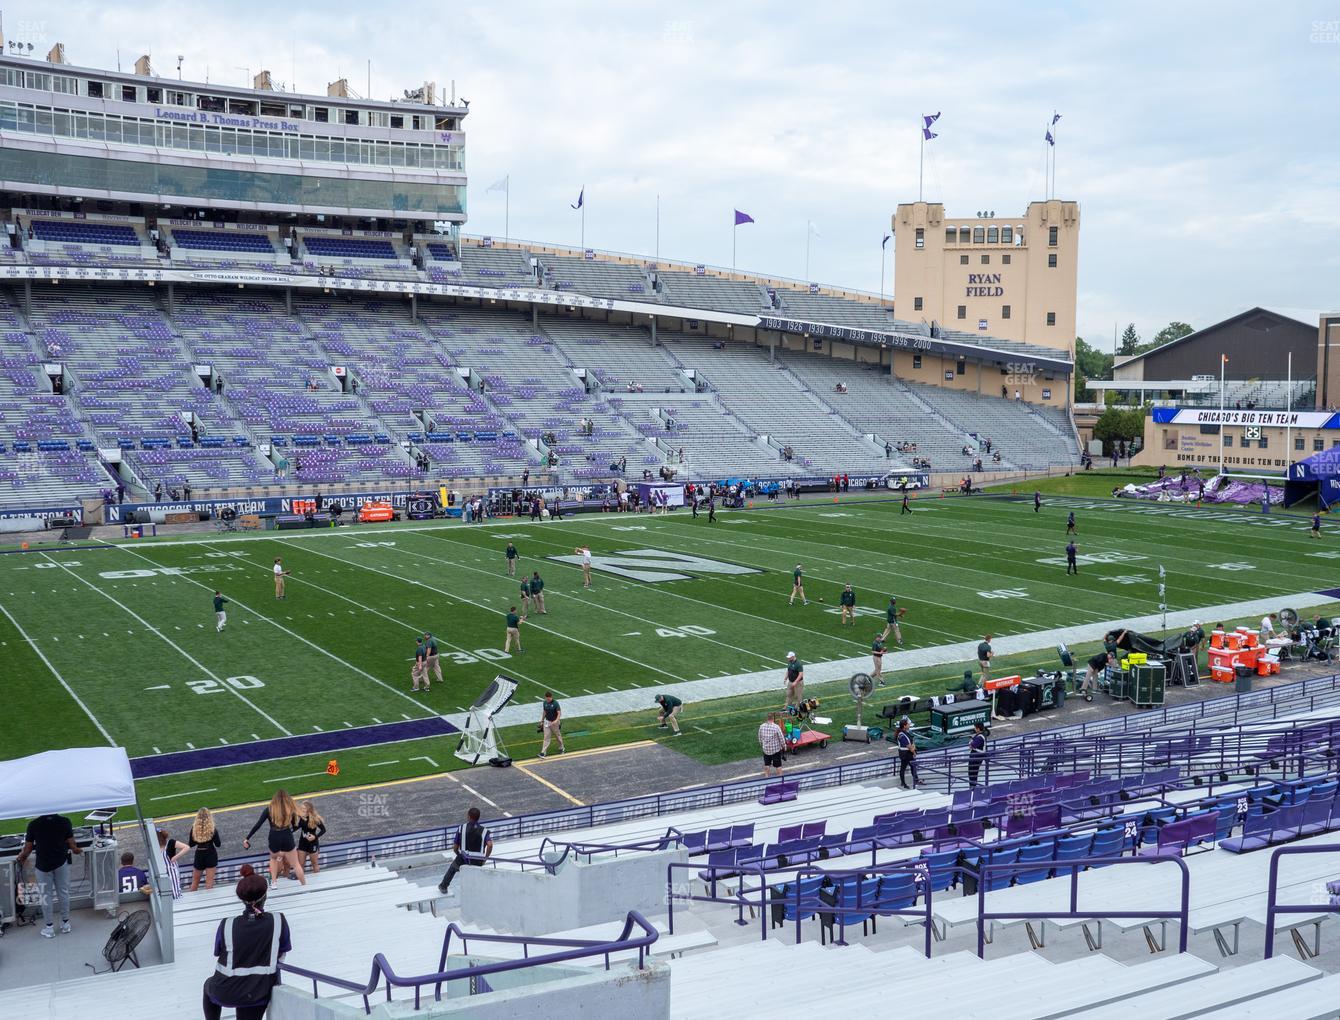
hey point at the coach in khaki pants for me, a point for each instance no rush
(432, 666)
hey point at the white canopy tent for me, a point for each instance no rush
(73, 779)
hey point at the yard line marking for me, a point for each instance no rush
(329, 591)
(185, 793)
(604, 608)
(324, 651)
(427, 759)
(404, 716)
(472, 791)
(588, 690)
(376, 720)
(222, 741)
(317, 728)
(696, 727)
(285, 779)
(160, 687)
(513, 673)
(544, 782)
(349, 725)
(255, 737)
(157, 751)
(185, 654)
(56, 673)
(633, 633)
(190, 745)
(379, 764)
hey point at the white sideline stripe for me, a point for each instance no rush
(184, 653)
(60, 679)
(633, 699)
(261, 616)
(185, 793)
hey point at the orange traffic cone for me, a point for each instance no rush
(332, 767)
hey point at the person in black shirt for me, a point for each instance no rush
(1037, 500)
(976, 752)
(281, 816)
(248, 949)
(205, 838)
(1071, 563)
(907, 754)
(551, 723)
(472, 846)
(52, 836)
(311, 828)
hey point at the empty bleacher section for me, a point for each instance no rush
(801, 304)
(84, 233)
(773, 402)
(349, 248)
(282, 387)
(1026, 436)
(596, 277)
(410, 383)
(132, 384)
(229, 242)
(528, 380)
(690, 290)
(716, 443)
(618, 356)
(488, 267)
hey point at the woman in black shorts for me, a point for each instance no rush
(281, 815)
(205, 838)
(311, 828)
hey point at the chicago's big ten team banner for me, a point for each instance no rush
(1235, 416)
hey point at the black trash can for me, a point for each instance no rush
(1243, 683)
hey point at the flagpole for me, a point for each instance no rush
(733, 232)
(881, 276)
(1223, 367)
(658, 228)
(921, 162)
(507, 207)
(583, 224)
(809, 230)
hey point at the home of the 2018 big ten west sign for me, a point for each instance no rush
(1234, 416)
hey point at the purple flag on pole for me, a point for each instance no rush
(581, 197)
(1050, 139)
(741, 217)
(929, 118)
(928, 134)
(885, 243)
(1055, 116)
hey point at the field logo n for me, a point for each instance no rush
(656, 565)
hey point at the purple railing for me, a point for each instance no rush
(576, 949)
(1007, 756)
(1274, 908)
(1182, 913)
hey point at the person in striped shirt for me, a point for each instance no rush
(773, 743)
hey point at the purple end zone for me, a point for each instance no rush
(288, 747)
(1333, 593)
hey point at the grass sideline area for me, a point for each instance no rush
(116, 643)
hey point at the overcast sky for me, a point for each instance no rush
(1200, 139)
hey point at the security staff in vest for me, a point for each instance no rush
(248, 949)
(907, 753)
(976, 752)
(472, 844)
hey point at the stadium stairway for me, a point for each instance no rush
(852, 978)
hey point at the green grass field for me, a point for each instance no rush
(117, 643)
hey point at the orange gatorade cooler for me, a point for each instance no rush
(1233, 640)
(1221, 674)
(1252, 637)
(1217, 639)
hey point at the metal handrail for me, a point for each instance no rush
(919, 871)
(578, 949)
(1183, 913)
(1273, 907)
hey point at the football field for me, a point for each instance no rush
(116, 643)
